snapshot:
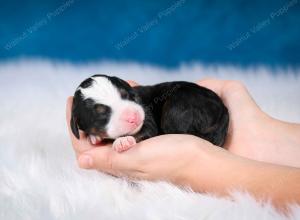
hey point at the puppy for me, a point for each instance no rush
(106, 107)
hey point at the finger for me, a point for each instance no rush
(132, 83)
(82, 144)
(223, 87)
(106, 159)
(213, 84)
(68, 114)
(97, 158)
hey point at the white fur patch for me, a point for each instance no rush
(102, 91)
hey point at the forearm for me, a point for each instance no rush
(285, 139)
(280, 184)
(289, 131)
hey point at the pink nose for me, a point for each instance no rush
(132, 117)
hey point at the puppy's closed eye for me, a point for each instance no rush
(124, 94)
(100, 109)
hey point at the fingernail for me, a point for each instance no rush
(85, 161)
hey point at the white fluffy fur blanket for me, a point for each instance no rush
(39, 177)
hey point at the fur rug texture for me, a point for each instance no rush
(39, 177)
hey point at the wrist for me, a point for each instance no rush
(215, 170)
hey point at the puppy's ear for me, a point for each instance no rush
(74, 126)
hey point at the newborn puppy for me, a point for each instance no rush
(106, 107)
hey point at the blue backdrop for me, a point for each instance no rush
(162, 32)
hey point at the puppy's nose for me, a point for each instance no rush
(132, 117)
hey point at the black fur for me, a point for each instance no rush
(86, 116)
(186, 108)
(170, 108)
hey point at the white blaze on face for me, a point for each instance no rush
(102, 91)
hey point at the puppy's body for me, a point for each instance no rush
(107, 107)
(185, 108)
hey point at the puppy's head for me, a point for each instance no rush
(107, 107)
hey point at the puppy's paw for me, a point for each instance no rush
(123, 143)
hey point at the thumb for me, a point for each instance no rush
(107, 160)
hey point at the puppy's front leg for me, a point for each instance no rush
(123, 143)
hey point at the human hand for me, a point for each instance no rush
(166, 157)
(245, 119)
(245, 115)
(198, 164)
(252, 133)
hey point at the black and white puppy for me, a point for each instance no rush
(106, 107)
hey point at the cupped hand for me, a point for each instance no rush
(170, 157)
(246, 118)
(187, 160)
(252, 133)
(165, 157)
